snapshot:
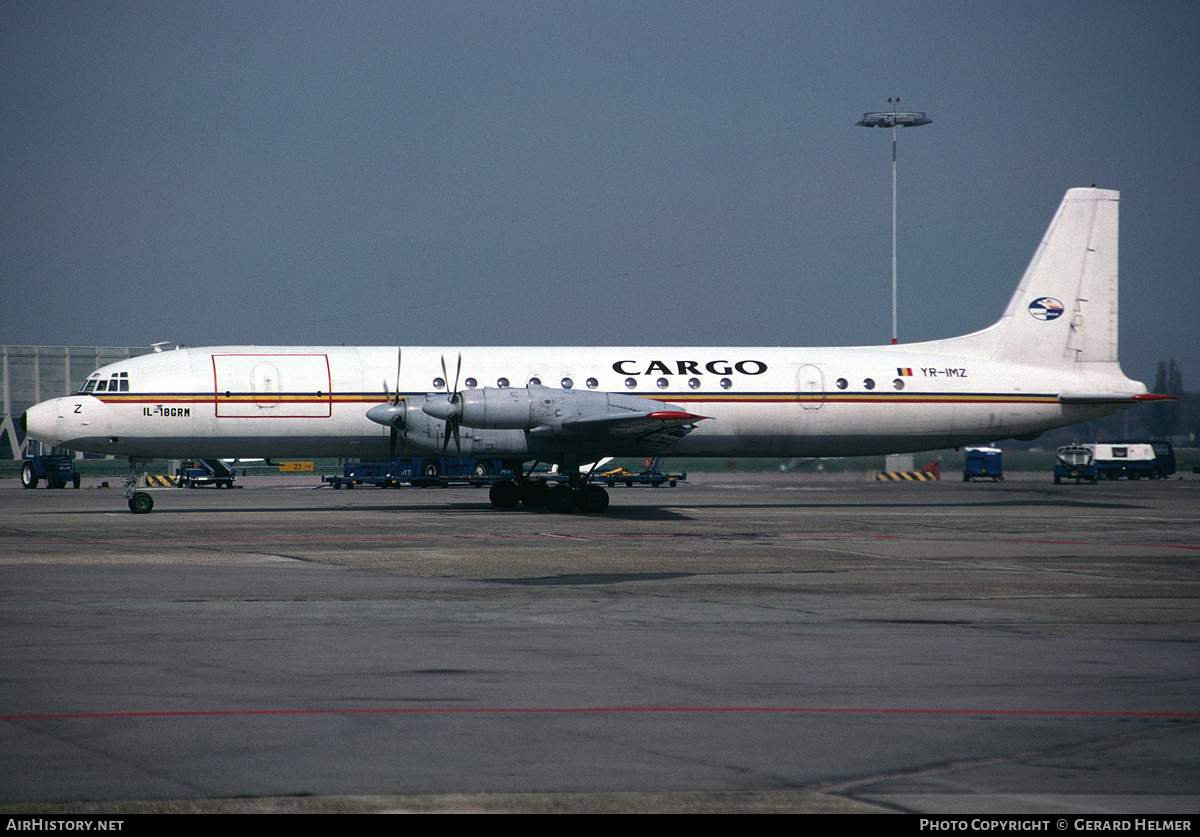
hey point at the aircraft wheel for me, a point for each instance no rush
(593, 499)
(562, 499)
(29, 477)
(141, 503)
(504, 495)
(534, 494)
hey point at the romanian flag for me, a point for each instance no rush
(904, 371)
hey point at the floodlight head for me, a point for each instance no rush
(891, 119)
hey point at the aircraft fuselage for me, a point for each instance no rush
(281, 402)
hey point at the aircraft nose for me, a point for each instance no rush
(40, 422)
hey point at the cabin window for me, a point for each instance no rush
(535, 381)
(898, 383)
(869, 383)
(471, 383)
(726, 383)
(592, 383)
(439, 383)
(502, 383)
(566, 383)
(694, 383)
(662, 383)
(631, 383)
(842, 383)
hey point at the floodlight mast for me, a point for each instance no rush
(890, 119)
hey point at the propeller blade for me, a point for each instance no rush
(387, 413)
(451, 427)
(397, 401)
(449, 411)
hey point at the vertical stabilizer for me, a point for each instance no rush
(1064, 311)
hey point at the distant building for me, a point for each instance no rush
(35, 373)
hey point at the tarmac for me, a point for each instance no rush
(740, 643)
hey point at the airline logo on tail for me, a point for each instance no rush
(1046, 308)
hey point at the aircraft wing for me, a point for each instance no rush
(1111, 397)
(655, 429)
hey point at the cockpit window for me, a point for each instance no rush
(116, 382)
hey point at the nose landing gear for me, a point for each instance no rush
(140, 502)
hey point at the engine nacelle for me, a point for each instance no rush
(530, 407)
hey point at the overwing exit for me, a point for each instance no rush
(1049, 361)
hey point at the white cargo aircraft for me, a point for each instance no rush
(1049, 361)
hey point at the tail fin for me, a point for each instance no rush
(1064, 311)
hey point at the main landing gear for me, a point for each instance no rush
(561, 498)
(536, 494)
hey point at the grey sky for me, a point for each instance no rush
(581, 173)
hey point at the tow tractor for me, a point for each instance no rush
(1075, 462)
(57, 469)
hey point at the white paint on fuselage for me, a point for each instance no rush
(175, 407)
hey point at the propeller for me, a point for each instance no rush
(454, 400)
(391, 413)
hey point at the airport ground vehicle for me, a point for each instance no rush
(56, 469)
(431, 470)
(983, 462)
(198, 472)
(1076, 462)
(1134, 460)
(1115, 460)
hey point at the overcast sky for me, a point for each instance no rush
(582, 173)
